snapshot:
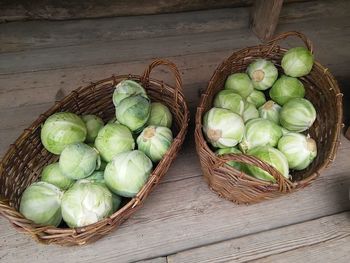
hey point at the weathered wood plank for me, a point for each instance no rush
(51, 85)
(295, 243)
(154, 260)
(39, 34)
(95, 52)
(335, 250)
(264, 17)
(59, 10)
(182, 214)
(22, 90)
(121, 51)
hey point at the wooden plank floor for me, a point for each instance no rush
(182, 221)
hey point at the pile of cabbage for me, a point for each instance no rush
(266, 115)
(99, 164)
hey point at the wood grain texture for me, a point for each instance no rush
(336, 249)
(47, 57)
(304, 242)
(154, 260)
(39, 34)
(60, 10)
(333, 251)
(22, 92)
(264, 17)
(184, 214)
(121, 51)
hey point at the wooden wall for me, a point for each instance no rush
(14, 10)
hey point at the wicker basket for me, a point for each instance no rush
(25, 159)
(321, 89)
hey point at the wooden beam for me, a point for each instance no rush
(65, 9)
(16, 10)
(264, 18)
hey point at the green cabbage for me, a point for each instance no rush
(299, 150)
(223, 128)
(270, 111)
(227, 99)
(271, 156)
(62, 129)
(257, 98)
(78, 161)
(297, 115)
(240, 83)
(53, 175)
(113, 139)
(297, 62)
(287, 88)
(133, 112)
(127, 173)
(41, 203)
(155, 141)
(250, 112)
(160, 115)
(260, 132)
(127, 88)
(86, 203)
(93, 125)
(263, 73)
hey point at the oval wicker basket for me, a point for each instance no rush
(321, 89)
(25, 158)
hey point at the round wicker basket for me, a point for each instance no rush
(23, 162)
(321, 89)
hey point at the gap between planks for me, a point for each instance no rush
(87, 54)
(271, 245)
(96, 54)
(19, 36)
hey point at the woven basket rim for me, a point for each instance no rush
(221, 159)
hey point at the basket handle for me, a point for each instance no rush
(285, 35)
(285, 185)
(172, 67)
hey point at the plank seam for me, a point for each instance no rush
(342, 236)
(113, 62)
(259, 232)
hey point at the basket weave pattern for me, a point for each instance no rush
(23, 162)
(321, 89)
